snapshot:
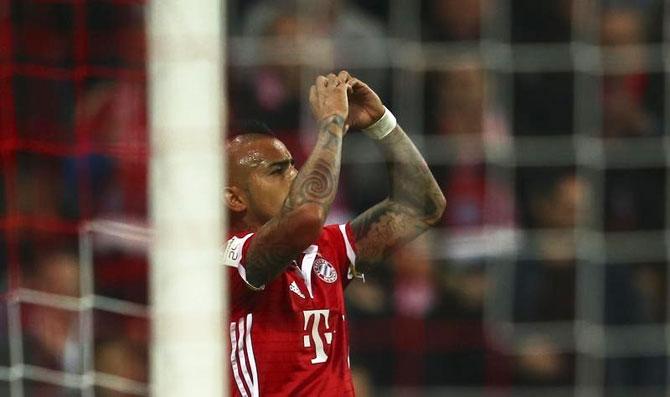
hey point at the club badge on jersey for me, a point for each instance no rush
(324, 270)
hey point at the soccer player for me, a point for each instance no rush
(287, 270)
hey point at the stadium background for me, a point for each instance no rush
(544, 121)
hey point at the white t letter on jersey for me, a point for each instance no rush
(321, 356)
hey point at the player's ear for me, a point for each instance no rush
(234, 199)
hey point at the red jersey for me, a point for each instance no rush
(289, 337)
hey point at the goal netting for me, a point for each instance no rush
(110, 119)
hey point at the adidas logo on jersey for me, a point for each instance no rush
(294, 287)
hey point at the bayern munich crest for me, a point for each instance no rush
(324, 270)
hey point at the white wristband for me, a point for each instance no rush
(382, 127)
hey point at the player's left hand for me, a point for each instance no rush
(365, 107)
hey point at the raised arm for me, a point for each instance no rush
(415, 201)
(306, 207)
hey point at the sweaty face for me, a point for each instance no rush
(262, 167)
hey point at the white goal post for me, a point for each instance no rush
(186, 101)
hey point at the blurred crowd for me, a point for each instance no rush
(484, 299)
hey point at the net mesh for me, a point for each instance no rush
(544, 122)
(73, 130)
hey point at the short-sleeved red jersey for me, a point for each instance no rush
(290, 337)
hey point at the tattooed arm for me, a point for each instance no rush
(415, 201)
(414, 204)
(305, 209)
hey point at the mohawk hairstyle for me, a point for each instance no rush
(244, 127)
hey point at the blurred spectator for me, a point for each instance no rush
(357, 36)
(368, 299)
(287, 24)
(56, 273)
(465, 113)
(272, 92)
(414, 297)
(453, 20)
(51, 335)
(53, 332)
(541, 362)
(545, 285)
(622, 26)
(123, 359)
(545, 288)
(651, 281)
(414, 287)
(463, 288)
(355, 33)
(624, 108)
(463, 105)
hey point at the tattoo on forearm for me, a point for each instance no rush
(412, 183)
(317, 181)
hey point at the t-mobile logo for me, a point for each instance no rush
(315, 338)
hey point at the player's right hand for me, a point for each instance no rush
(328, 97)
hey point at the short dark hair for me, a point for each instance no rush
(244, 127)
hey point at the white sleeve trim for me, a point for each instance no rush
(350, 251)
(232, 256)
(350, 254)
